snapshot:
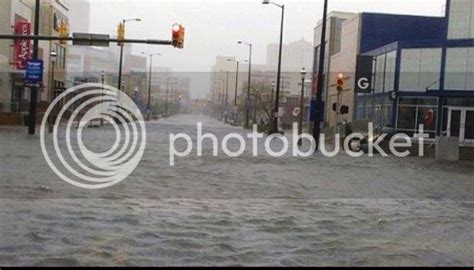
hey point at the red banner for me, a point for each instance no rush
(22, 48)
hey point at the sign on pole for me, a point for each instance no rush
(34, 72)
(363, 81)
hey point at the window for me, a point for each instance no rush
(384, 76)
(461, 19)
(380, 74)
(459, 69)
(413, 112)
(420, 70)
(390, 68)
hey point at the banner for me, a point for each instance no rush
(22, 48)
(364, 72)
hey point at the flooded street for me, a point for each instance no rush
(234, 211)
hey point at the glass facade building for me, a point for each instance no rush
(426, 81)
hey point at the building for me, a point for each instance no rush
(348, 36)
(16, 17)
(295, 56)
(429, 79)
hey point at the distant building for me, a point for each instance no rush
(295, 56)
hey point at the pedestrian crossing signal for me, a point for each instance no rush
(178, 33)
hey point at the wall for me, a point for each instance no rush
(344, 62)
(381, 29)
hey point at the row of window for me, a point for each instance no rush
(420, 70)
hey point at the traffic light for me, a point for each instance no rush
(334, 107)
(63, 32)
(178, 36)
(340, 82)
(344, 109)
(120, 34)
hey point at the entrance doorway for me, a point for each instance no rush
(461, 124)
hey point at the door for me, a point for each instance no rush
(469, 126)
(454, 122)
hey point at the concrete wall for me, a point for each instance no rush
(344, 62)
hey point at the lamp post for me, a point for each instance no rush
(124, 21)
(278, 84)
(53, 56)
(237, 81)
(149, 81)
(247, 110)
(300, 126)
(319, 93)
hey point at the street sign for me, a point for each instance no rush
(363, 81)
(34, 72)
(296, 111)
(86, 39)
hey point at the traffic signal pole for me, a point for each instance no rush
(319, 94)
(34, 89)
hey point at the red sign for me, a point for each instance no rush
(22, 48)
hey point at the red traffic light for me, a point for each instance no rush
(178, 36)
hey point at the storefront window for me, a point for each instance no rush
(420, 70)
(413, 112)
(459, 69)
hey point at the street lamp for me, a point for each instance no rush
(237, 80)
(124, 21)
(300, 126)
(249, 82)
(53, 56)
(151, 55)
(277, 99)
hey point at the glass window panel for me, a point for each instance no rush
(456, 68)
(407, 118)
(461, 23)
(379, 74)
(390, 71)
(420, 69)
(410, 66)
(469, 126)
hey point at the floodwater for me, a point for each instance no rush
(246, 211)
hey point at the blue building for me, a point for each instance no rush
(350, 35)
(423, 77)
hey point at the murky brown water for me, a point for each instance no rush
(242, 211)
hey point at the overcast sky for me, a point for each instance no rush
(214, 27)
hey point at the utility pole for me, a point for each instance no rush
(300, 126)
(319, 94)
(34, 89)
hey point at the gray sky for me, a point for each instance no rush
(214, 27)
